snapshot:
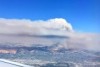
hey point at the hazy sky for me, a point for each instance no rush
(84, 15)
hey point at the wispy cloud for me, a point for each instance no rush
(23, 32)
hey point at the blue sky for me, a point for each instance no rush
(84, 15)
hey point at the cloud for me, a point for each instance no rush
(23, 32)
(38, 27)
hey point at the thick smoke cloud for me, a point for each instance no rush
(16, 32)
(28, 27)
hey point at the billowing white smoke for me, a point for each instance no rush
(12, 31)
(15, 26)
(61, 24)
